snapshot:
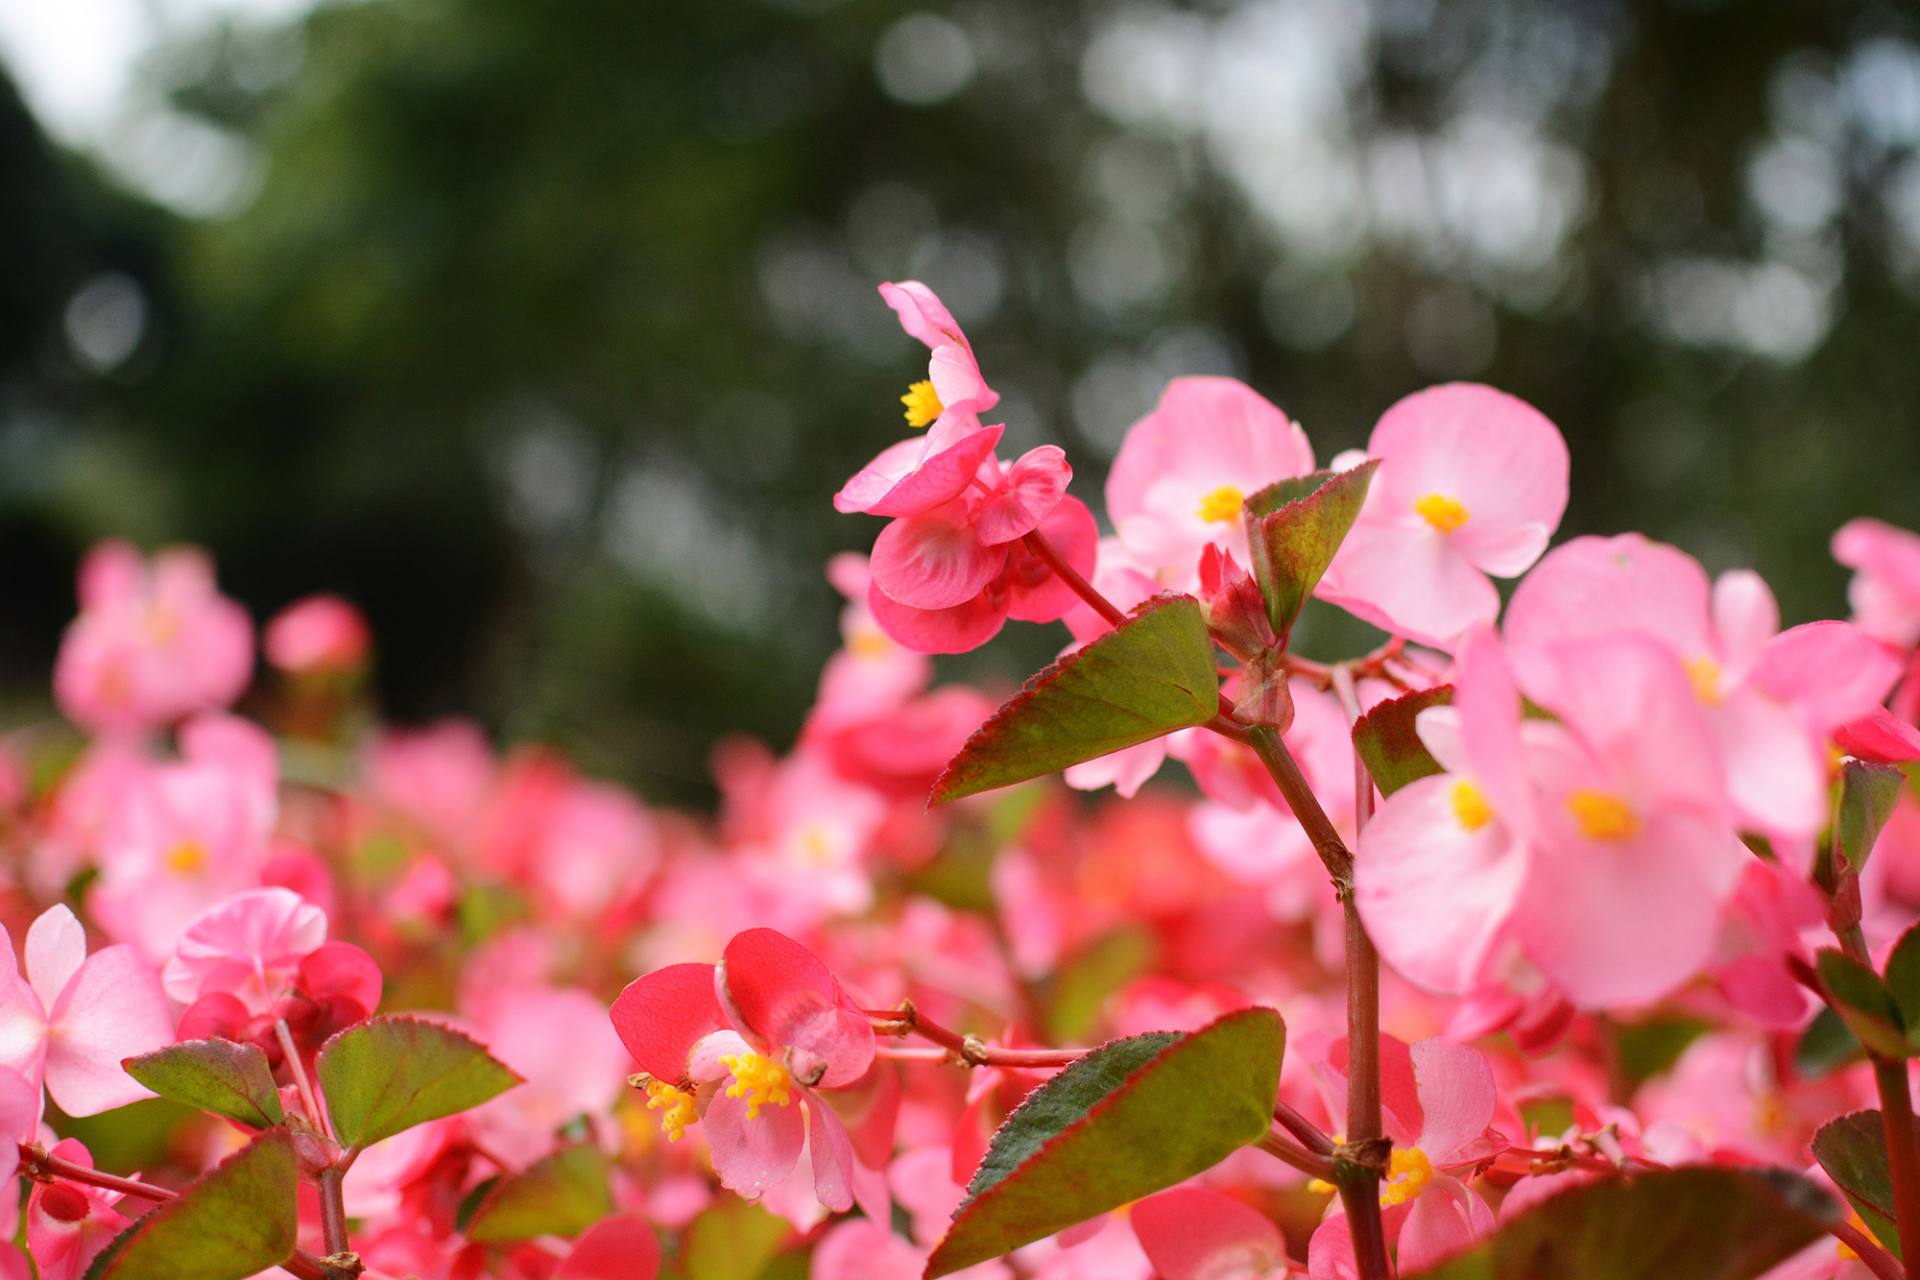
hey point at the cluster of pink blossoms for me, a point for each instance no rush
(1600, 904)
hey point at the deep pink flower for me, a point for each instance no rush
(69, 1223)
(1471, 482)
(1183, 473)
(743, 1048)
(154, 641)
(954, 386)
(317, 635)
(71, 1019)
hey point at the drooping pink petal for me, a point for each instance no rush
(661, 1015)
(1190, 1233)
(1026, 495)
(622, 1247)
(832, 1152)
(1446, 1218)
(921, 473)
(56, 948)
(921, 313)
(934, 560)
(112, 1009)
(1457, 1096)
(961, 629)
(1436, 896)
(780, 992)
(958, 382)
(751, 1156)
(1409, 580)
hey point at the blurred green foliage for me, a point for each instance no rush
(546, 331)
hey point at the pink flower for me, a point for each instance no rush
(1437, 1101)
(317, 635)
(954, 385)
(744, 1048)
(1598, 847)
(557, 1040)
(1182, 475)
(1471, 482)
(74, 1016)
(1771, 697)
(1191, 1233)
(154, 641)
(261, 947)
(1885, 592)
(69, 1223)
(188, 834)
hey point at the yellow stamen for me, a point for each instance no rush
(1408, 1173)
(1320, 1185)
(758, 1079)
(870, 643)
(1442, 512)
(1601, 815)
(923, 406)
(1705, 675)
(816, 846)
(675, 1107)
(1470, 807)
(1223, 505)
(187, 857)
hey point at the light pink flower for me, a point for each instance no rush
(1471, 482)
(249, 946)
(318, 634)
(954, 381)
(154, 641)
(1885, 592)
(1772, 697)
(1183, 473)
(72, 1018)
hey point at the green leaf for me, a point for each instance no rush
(240, 1218)
(1131, 1118)
(1293, 529)
(1868, 793)
(561, 1195)
(1825, 1046)
(1853, 1151)
(1151, 675)
(1863, 1002)
(1903, 982)
(392, 1072)
(734, 1240)
(1696, 1223)
(1388, 745)
(220, 1076)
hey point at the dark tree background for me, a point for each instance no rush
(546, 330)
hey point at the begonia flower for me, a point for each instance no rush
(1472, 483)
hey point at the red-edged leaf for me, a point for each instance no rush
(1146, 678)
(1853, 1150)
(1388, 745)
(1131, 1118)
(1293, 529)
(1863, 1002)
(240, 1218)
(561, 1195)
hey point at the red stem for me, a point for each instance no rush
(1287, 1151)
(970, 1050)
(1037, 543)
(1302, 1128)
(1877, 1260)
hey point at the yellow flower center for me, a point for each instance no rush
(675, 1107)
(816, 846)
(187, 857)
(1705, 675)
(758, 1079)
(1408, 1173)
(1601, 815)
(870, 643)
(923, 406)
(1442, 512)
(1470, 807)
(1222, 506)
